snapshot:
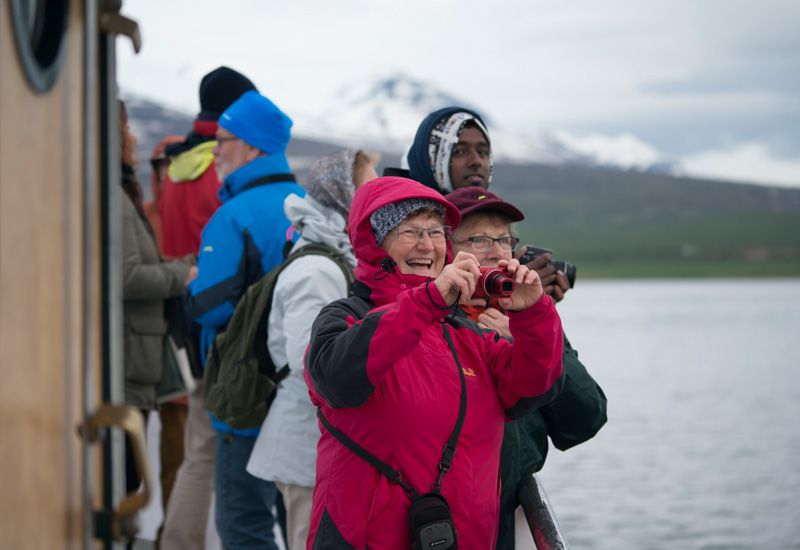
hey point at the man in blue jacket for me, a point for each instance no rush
(242, 241)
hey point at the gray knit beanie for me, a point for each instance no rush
(388, 217)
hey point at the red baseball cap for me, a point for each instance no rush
(473, 199)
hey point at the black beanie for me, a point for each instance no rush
(219, 89)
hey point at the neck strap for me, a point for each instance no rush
(448, 452)
(274, 178)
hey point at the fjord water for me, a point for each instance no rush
(702, 445)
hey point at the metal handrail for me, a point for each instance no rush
(547, 534)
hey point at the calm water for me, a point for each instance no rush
(702, 447)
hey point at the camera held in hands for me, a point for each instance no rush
(568, 269)
(494, 282)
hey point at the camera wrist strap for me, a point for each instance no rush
(447, 453)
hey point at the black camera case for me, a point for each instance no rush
(431, 523)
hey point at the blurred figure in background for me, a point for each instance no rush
(159, 162)
(242, 241)
(172, 414)
(147, 281)
(188, 199)
(286, 449)
(189, 195)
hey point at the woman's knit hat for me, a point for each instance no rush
(219, 89)
(258, 122)
(390, 216)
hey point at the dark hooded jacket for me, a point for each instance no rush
(380, 370)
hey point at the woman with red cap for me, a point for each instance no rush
(576, 414)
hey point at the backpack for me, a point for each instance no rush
(240, 378)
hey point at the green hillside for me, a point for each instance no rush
(617, 224)
(610, 223)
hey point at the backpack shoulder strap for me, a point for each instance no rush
(330, 253)
(258, 341)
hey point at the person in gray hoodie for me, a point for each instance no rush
(286, 449)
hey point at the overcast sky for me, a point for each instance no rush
(715, 83)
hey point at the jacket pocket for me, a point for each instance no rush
(144, 339)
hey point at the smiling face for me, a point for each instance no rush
(470, 162)
(483, 224)
(417, 254)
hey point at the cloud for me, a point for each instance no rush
(747, 162)
(688, 77)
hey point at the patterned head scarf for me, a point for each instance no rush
(430, 154)
(441, 142)
(330, 181)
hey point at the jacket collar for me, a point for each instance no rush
(267, 165)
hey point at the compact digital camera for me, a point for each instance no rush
(494, 282)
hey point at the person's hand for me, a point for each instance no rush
(557, 290)
(459, 276)
(493, 319)
(528, 287)
(554, 282)
(191, 276)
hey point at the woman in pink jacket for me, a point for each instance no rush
(412, 399)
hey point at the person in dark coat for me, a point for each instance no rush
(576, 414)
(147, 280)
(452, 149)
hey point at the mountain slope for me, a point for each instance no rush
(609, 222)
(384, 114)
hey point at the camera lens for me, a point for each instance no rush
(494, 282)
(568, 269)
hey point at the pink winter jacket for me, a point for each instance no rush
(381, 371)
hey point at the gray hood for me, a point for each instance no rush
(319, 224)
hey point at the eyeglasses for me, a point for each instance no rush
(412, 235)
(483, 244)
(222, 140)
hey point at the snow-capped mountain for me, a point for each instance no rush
(384, 114)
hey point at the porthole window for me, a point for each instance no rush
(40, 33)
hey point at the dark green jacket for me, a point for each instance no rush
(573, 417)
